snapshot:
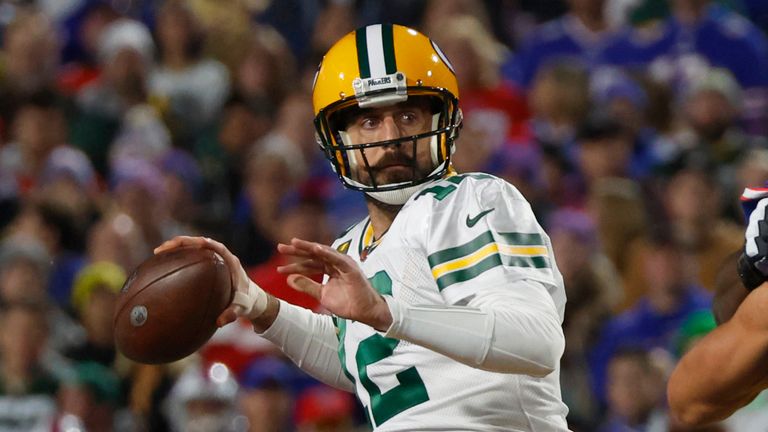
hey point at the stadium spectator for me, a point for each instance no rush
(57, 230)
(183, 185)
(25, 272)
(271, 171)
(582, 37)
(495, 113)
(702, 34)
(635, 393)
(559, 102)
(192, 86)
(89, 399)
(30, 62)
(27, 385)
(693, 201)
(94, 296)
(204, 398)
(266, 71)
(38, 127)
(266, 397)
(114, 107)
(594, 288)
(710, 131)
(670, 297)
(324, 409)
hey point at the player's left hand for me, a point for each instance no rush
(347, 292)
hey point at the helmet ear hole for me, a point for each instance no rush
(458, 124)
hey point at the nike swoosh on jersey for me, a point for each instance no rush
(472, 221)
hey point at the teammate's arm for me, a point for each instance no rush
(726, 369)
(751, 263)
(729, 290)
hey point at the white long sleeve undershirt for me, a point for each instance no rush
(309, 340)
(508, 329)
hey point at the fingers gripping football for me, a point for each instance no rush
(249, 299)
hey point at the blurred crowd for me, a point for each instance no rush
(630, 125)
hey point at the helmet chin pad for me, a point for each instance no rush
(399, 196)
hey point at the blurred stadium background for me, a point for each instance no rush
(630, 125)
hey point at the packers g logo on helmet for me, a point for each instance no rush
(382, 65)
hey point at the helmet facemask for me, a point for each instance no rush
(351, 162)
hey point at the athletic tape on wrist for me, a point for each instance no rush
(254, 302)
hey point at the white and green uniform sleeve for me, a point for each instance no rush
(309, 340)
(485, 233)
(498, 264)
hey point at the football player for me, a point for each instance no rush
(446, 300)
(726, 369)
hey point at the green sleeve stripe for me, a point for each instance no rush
(488, 263)
(538, 262)
(511, 239)
(342, 326)
(453, 253)
(522, 239)
(469, 273)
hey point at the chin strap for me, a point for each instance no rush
(254, 302)
(395, 197)
(400, 196)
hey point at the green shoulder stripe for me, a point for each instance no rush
(469, 273)
(522, 239)
(511, 239)
(453, 253)
(486, 251)
(488, 263)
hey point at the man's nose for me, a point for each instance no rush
(389, 129)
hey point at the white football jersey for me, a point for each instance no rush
(450, 240)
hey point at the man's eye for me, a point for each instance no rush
(408, 117)
(369, 123)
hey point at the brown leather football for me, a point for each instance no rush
(168, 307)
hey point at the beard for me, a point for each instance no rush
(394, 167)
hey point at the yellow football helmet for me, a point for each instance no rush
(381, 65)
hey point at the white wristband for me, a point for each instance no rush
(254, 302)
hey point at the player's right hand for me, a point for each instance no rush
(249, 299)
(753, 263)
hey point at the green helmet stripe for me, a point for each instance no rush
(375, 51)
(388, 44)
(362, 53)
